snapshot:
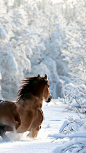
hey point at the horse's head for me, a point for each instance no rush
(46, 93)
(38, 86)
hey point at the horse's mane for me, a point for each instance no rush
(27, 87)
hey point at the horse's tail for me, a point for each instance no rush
(16, 117)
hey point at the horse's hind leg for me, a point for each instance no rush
(36, 124)
(2, 133)
(16, 116)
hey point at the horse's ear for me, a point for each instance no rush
(45, 77)
(39, 76)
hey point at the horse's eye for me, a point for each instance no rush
(48, 85)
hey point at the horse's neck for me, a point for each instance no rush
(37, 101)
(20, 102)
(32, 102)
(39, 91)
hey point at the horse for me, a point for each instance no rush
(29, 103)
(26, 113)
(9, 118)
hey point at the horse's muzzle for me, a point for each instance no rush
(49, 98)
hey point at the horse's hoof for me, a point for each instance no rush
(5, 138)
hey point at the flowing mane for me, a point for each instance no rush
(27, 87)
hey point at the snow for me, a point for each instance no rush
(49, 139)
(39, 36)
(31, 44)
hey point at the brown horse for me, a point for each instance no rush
(26, 113)
(29, 103)
(9, 117)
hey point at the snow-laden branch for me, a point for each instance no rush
(76, 144)
(74, 135)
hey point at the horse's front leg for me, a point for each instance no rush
(36, 124)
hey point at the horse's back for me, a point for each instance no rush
(6, 107)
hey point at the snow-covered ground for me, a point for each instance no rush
(50, 139)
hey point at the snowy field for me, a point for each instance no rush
(50, 139)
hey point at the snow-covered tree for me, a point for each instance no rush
(42, 37)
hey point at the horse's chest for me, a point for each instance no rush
(26, 119)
